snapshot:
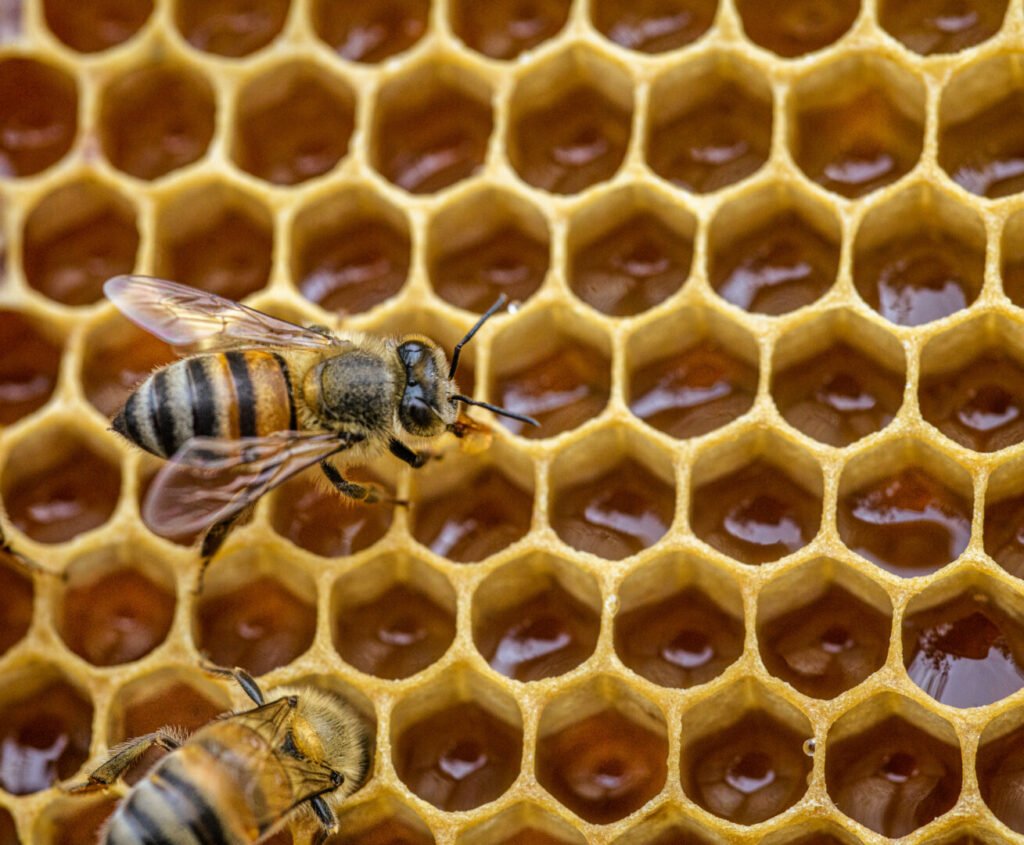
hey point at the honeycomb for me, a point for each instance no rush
(756, 578)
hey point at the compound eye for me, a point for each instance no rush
(420, 414)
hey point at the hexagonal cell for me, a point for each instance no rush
(796, 28)
(256, 611)
(602, 750)
(148, 467)
(28, 368)
(468, 528)
(56, 485)
(216, 238)
(1004, 518)
(74, 820)
(934, 26)
(431, 128)
(666, 826)
(38, 131)
(552, 366)
(984, 101)
(812, 833)
(1012, 253)
(457, 744)
(963, 643)
(910, 519)
(680, 622)
(230, 27)
(392, 617)
(8, 829)
(489, 243)
(323, 522)
(76, 238)
(742, 757)
(838, 378)
(536, 618)
(892, 766)
(629, 251)
(691, 372)
(116, 605)
(857, 124)
(823, 628)
(368, 31)
(919, 257)
(45, 730)
(156, 118)
(746, 505)
(97, 26)
(653, 26)
(383, 821)
(350, 251)
(610, 501)
(972, 385)
(710, 123)
(1000, 763)
(504, 30)
(773, 252)
(522, 824)
(116, 358)
(18, 592)
(570, 122)
(292, 123)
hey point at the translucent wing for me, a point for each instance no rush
(200, 321)
(211, 479)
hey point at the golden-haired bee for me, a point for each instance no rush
(259, 399)
(243, 776)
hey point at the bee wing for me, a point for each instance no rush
(197, 320)
(212, 479)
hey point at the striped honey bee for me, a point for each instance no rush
(243, 776)
(259, 399)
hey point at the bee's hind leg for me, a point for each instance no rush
(359, 492)
(212, 541)
(27, 562)
(246, 681)
(122, 756)
(325, 815)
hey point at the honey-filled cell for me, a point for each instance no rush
(893, 777)
(230, 27)
(259, 624)
(792, 29)
(1004, 532)
(156, 118)
(1000, 764)
(838, 395)
(749, 770)
(929, 27)
(77, 237)
(76, 821)
(44, 735)
(8, 830)
(653, 26)
(908, 523)
(755, 514)
(28, 367)
(679, 641)
(622, 511)
(98, 25)
(18, 592)
(427, 134)
(503, 30)
(965, 652)
(677, 834)
(56, 487)
(603, 766)
(367, 30)
(709, 127)
(38, 115)
(390, 831)
(859, 133)
(476, 519)
(323, 522)
(292, 123)
(459, 757)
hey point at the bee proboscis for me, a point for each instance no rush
(243, 776)
(258, 399)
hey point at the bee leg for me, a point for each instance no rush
(122, 756)
(213, 539)
(246, 681)
(359, 492)
(324, 814)
(404, 453)
(27, 562)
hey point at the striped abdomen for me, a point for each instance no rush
(228, 394)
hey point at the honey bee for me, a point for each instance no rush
(259, 399)
(243, 776)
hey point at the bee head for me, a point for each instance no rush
(425, 409)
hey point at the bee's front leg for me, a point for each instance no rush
(213, 539)
(359, 492)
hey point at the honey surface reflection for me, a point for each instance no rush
(1004, 534)
(370, 31)
(1001, 778)
(97, 25)
(16, 609)
(503, 30)
(653, 26)
(28, 368)
(798, 26)
(231, 27)
(994, 168)
(941, 26)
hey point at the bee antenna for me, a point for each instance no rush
(490, 312)
(458, 397)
